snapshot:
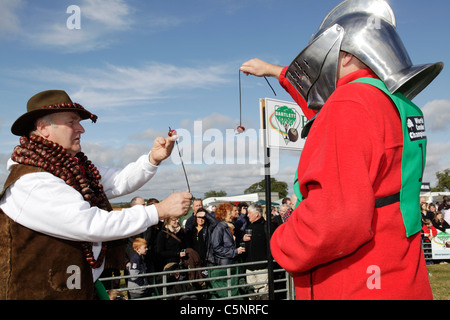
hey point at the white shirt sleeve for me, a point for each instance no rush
(45, 203)
(129, 179)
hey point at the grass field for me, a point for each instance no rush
(439, 275)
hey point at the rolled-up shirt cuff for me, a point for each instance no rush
(148, 166)
(152, 213)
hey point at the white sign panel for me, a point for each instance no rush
(284, 122)
(440, 245)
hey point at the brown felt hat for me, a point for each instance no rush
(44, 103)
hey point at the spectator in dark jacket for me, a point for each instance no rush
(256, 250)
(136, 267)
(198, 237)
(222, 250)
(240, 224)
(439, 222)
(170, 243)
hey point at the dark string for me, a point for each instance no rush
(240, 100)
(270, 86)
(240, 96)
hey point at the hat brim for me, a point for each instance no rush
(25, 123)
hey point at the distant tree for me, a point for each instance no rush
(276, 186)
(443, 181)
(214, 193)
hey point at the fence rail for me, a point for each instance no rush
(206, 288)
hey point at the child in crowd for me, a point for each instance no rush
(428, 230)
(137, 266)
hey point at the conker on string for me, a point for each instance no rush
(240, 129)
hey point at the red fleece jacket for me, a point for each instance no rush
(336, 244)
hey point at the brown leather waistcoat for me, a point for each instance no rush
(37, 266)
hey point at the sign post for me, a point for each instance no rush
(281, 122)
(268, 204)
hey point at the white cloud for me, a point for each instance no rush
(57, 35)
(170, 177)
(112, 14)
(9, 20)
(100, 22)
(438, 159)
(98, 19)
(233, 175)
(234, 179)
(214, 120)
(114, 85)
(437, 115)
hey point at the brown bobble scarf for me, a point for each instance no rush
(78, 172)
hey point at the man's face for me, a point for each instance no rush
(235, 212)
(66, 130)
(197, 205)
(253, 216)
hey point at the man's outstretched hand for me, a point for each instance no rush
(161, 150)
(174, 206)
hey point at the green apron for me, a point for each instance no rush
(413, 160)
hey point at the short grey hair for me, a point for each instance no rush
(48, 119)
(135, 200)
(256, 208)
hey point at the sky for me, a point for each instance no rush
(145, 66)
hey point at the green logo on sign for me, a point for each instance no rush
(286, 121)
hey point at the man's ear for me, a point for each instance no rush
(343, 64)
(346, 58)
(43, 128)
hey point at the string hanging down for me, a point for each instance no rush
(240, 128)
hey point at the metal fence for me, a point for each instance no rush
(221, 283)
(427, 251)
(232, 278)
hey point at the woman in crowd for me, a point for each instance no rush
(222, 249)
(425, 213)
(439, 222)
(170, 243)
(198, 237)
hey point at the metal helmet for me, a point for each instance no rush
(367, 30)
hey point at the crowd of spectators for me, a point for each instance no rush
(435, 219)
(225, 234)
(435, 216)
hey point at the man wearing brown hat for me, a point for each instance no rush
(57, 228)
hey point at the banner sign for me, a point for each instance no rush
(284, 122)
(440, 245)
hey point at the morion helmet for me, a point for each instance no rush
(367, 30)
